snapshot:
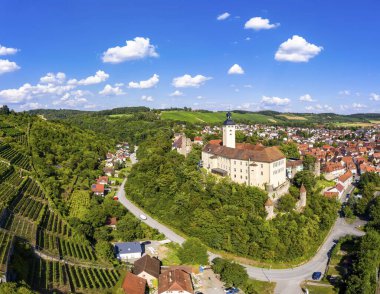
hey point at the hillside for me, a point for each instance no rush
(209, 117)
(49, 254)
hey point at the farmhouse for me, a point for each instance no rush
(175, 282)
(253, 165)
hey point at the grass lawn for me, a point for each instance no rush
(355, 124)
(324, 184)
(170, 252)
(262, 287)
(313, 289)
(293, 117)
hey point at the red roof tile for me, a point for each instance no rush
(133, 284)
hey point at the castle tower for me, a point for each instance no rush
(302, 201)
(229, 132)
(269, 208)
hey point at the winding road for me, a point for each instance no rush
(288, 280)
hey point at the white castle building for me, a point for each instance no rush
(253, 165)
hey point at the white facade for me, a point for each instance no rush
(229, 136)
(248, 172)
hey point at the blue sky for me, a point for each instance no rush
(295, 55)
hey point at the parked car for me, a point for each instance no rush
(143, 217)
(231, 290)
(316, 276)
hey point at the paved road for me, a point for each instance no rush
(288, 280)
(149, 221)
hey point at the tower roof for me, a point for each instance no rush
(303, 189)
(228, 121)
(269, 202)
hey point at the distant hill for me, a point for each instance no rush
(187, 115)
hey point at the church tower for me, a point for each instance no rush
(229, 132)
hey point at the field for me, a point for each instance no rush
(262, 287)
(214, 117)
(79, 204)
(293, 117)
(355, 124)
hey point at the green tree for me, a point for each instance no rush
(309, 162)
(104, 250)
(193, 252)
(231, 273)
(290, 150)
(286, 203)
(306, 178)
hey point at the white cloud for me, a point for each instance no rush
(90, 106)
(32, 105)
(147, 98)
(7, 51)
(309, 108)
(52, 78)
(345, 92)
(247, 86)
(99, 77)
(138, 48)
(111, 91)
(277, 101)
(306, 98)
(297, 49)
(16, 95)
(374, 97)
(324, 107)
(176, 93)
(358, 105)
(248, 39)
(7, 66)
(73, 98)
(236, 69)
(258, 23)
(223, 16)
(199, 97)
(149, 83)
(189, 81)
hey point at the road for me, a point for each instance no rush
(288, 280)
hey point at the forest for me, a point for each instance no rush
(224, 215)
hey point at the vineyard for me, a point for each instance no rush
(14, 157)
(28, 207)
(79, 203)
(9, 186)
(54, 223)
(33, 189)
(6, 241)
(21, 227)
(53, 275)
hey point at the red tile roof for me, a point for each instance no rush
(175, 280)
(343, 178)
(97, 188)
(216, 142)
(147, 264)
(266, 154)
(133, 284)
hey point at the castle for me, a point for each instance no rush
(253, 165)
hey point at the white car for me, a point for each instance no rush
(143, 217)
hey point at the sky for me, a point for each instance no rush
(290, 56)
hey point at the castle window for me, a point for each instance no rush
(262, 165)
(241, 170)
(262, 173)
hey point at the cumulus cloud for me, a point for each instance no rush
(306, 98)
(7, 66)
(258, 23)
(73, 98)
(16, 95)
(309, 108)
(297, 49)
(52, 78)
(147, 98)
(111, 91)
(176, 93)
(358, 105)
(345, 92)
(99, 77)
(324, 107)
(236, 69)
(149, 83)
(7, 51)
(32, 105)
(223, 16)
(276, 101)
(374, 97)
(138, 48)
(189, 81)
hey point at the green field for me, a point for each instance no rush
(262, 287)
(215, 117)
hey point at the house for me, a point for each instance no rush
(175, 281)
(147, 268)
(98, 189)
(109, 171)
(333, 170)
(133, 284)
(126, 251)
(111, 222)
(346, 179)
(198, 140)
(103, 180)
(182, 144)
